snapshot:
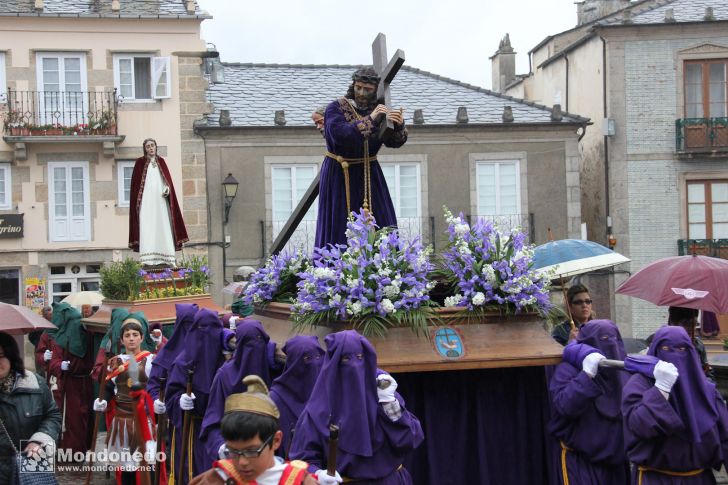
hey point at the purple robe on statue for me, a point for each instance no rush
(250, 358)
(202, 353)
(165, 358)
(346, 129)
(687, 432)
(292, 389)
(372, 447)
(586, 416)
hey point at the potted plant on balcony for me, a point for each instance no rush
(14, 124)
(103, 124)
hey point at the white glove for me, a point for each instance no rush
(386, 394)
(159, 407)
(47, 355)
(65, 364)
(233, 322)
(100, 405)
(150, 451)
(187, 402)
(665, 375)
(325, 479)
(222, 451)
(590, 364)
(157, 340)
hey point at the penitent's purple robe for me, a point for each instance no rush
(292, 389)
(250, 358)
(346, 128)
(688, 431)
(586, 417)
(371, 446)
(202, 353)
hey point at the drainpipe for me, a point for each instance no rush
(606, 138)
(566, 58)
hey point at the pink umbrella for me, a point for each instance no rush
(699, 282)
(17, 320)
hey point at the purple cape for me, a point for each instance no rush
(371, 446)
(250, 358)
(290, 391)
(346, 129)
(165, 358)
(585, 411)
(692, 396)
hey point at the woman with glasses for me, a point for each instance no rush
(579, 309)
(27, 409)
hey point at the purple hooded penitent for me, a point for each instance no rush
(586, 415)
(290, 391)
(371, 446)
(202, 353)
(165, 358)
(250, 358)
(686, 432)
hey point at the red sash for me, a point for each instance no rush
(138, 357)
(294, 473)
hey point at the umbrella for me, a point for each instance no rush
(699, 282)
(17, 320)
(570, 257)
(235, 288)
(93, 298)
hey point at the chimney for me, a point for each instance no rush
(115, 6)
(419, 117)
(709, 14)
(503, 65)
(190, 7)
(627, 17)
(462, 116)
(280, 118)
(669, 16)
(590, 10)
(507, 114)
(38, 5)
(225, 119)
(556, 114)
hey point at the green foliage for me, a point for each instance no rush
(121, 280)
(196, 271)
(371, 324)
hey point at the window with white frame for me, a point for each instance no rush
(6, 197)
(3, 83)
(498, 191)
(708, 209)
(68, 201)
(288, 185)
(403, 181)
(124, 170)
(62, 83)
(142, 77)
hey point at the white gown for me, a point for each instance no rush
(156, 244)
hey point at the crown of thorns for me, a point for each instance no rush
(366, 75)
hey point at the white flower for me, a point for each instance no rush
(478, 299)
(352, 282)
(387, 305)
(452, 301)
(461, 229)
(354, 308)
(489, 274)
(385, 271)
(390, 291)
(323, 273)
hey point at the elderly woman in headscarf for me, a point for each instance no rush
(586, 415)
(291, 391)
(675, 422)
(199, 360)
(251, 357)
(377, 432)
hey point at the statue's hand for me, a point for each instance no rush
(165, 192)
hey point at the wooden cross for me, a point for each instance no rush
(386, 71)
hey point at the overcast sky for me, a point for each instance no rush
(451, 38)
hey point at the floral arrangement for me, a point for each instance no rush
(276, 279)
(375, 282)
(490, 267)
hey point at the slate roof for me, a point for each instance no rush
(683, 11)
(101, 8)
(253, 92)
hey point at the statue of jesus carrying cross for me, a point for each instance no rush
(356, 126)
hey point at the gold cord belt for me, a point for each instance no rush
(564, 471)
(353, 480)
(691, 473)
(345, 164)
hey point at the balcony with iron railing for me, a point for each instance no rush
(701, 137)
(717, 248)
(61, 116)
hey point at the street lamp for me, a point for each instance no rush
(230, 190)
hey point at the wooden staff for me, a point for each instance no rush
(185, 431)
(161, 429)
(102, 388)
(333, 446)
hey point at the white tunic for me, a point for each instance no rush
(156, 243)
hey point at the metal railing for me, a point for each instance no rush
(697, 134)
(717, 248)
(47, 113)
